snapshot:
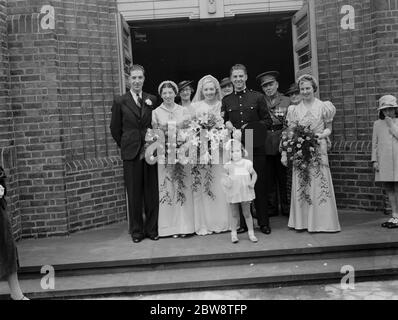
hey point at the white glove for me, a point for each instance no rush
(1, 191)
(284, 159)
(326, 133)
(229, 125)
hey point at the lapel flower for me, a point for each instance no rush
(148, 102)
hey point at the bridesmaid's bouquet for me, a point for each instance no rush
(299, 144)
(161, 146)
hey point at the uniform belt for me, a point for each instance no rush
(276, 127)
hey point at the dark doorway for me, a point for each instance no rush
(188, 50)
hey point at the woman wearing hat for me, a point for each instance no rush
(313, 215)
(175, 218)
(385, 153)
(294, 94)
(185, 91)
(226, 87)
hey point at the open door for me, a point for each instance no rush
(125, 61)
(125, 52)
(304, 40)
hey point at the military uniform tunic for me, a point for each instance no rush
(277, 173)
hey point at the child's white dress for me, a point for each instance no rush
(239, 173)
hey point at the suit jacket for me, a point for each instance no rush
(129, 123)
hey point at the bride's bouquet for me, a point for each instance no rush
(195, 142)
(300, 147)
(205, 135)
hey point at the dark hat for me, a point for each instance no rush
(224, 82)
(293, 88)
(267, 77)
(184, 84)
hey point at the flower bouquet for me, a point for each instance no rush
(161, 145)
(301, 149)
(205, 134)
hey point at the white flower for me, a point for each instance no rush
(148, 102)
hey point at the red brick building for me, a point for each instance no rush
(62, 63)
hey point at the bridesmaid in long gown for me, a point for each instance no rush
(210, 215)
(175, 219)
(318, 216)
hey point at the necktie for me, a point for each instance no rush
(139, 101)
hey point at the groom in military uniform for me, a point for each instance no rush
(247, 109)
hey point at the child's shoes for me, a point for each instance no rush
(234, 238)
(252, 237)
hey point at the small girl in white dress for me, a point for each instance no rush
(238, 186)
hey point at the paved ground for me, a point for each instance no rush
(377, 290)
(113, 243)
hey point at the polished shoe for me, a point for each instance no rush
(393, 225)
(265, 229)
(241, 230)
(189, 235)
(388, 223)
(154, 238)
(136, 239)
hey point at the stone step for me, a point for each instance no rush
(210, 260)
(236, 275)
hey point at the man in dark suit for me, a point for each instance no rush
(131, 117)
(248, 109)
(277, 105)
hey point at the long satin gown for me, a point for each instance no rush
(177, 218)
(211, 216)
(318, 217)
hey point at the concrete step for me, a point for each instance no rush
(212, 260)
(246, 273)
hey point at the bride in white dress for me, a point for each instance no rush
(211, 215)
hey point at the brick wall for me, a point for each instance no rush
(62, 83)
(7, 135)
(356, 67)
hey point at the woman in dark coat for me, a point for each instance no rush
(8, 250)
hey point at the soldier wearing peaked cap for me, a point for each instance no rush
(242, 109)
(277, 105)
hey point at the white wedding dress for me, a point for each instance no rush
(211, 216)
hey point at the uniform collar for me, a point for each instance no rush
(241, 92)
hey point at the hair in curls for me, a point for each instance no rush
(238, 66)
(308, 78)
